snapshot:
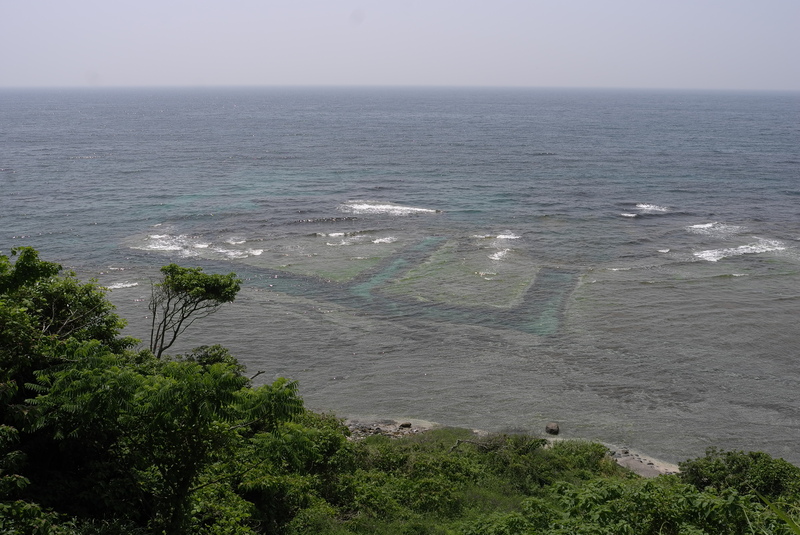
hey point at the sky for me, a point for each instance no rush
(658, 44)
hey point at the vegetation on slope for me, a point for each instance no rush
(99, 437)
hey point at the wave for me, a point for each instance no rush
(389, 239)
(378, 207)
(326, 219)
(125, 284)
(166, 242)
(505, 235)
(237, 253)
(349, 240)
(499, 255)
(647, 208)
(762, 246)
(192, 246)
(508, 235)
(715, 229)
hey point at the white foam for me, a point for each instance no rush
(481, 236)
(499, 255)
(629, 215)
(230, 253)
(376, 207)
(508, 235)
(762, 246)
(166, 242)
(201, 245)
(390, 239)
(347, 241)
(235, 241)
(715, 229)
(651, 208)
(125, 284)
(255, 252)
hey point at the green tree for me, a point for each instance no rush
(182, 296)
(169, 421)
(42, 308)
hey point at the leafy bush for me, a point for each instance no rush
(744, 472)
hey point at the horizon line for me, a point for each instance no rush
(394, 86)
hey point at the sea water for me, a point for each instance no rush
(623, 262)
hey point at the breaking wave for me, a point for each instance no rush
(377, 207)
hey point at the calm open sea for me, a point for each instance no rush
(625, 263)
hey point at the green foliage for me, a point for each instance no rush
(182, 296)
(26, 271)
(113, 441)
(745, 472)
(29, 518)
(161, 425)
(781, 513)
(41, 311)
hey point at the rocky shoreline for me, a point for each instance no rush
(389, 428)
(638, 463)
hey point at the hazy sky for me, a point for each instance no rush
(696, 44)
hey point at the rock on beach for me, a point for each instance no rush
(388, 428)
(639, 464)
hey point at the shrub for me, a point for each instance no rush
(744, 472)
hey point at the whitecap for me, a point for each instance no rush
(762, 246)
(390, 239)
(230, 253)
(663, 250)
(377, 207)
(651, 208)
(481, 236)
(499, 255)
(235, 241)
(167, 242)
(347, 241)
(628, 215)
(125, 284)
(715, 229)
(255, 252)
(508, 235)
(201, 245)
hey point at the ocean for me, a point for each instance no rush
(625, 263)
